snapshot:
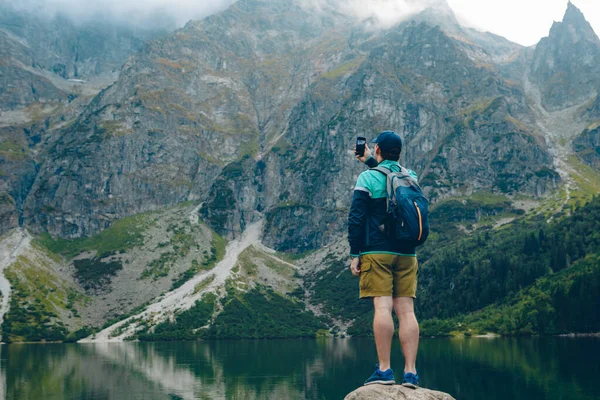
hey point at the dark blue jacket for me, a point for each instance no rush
(368, 214)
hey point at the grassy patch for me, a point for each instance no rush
(122, 235)
(587, 180)
(169, 63)
(490, 199)
(204, 284)
(343, 69)
(217, 252)
(160, 267)
(36, 299)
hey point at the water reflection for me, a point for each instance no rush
(522, 369)
(2, 377)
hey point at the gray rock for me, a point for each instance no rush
(566, 64)
(587, 145)
(395, 392)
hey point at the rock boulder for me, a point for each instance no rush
(395, 392)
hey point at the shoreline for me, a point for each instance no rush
(483, 336)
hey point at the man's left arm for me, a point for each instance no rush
(356, 222)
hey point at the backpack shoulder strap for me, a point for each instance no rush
(385, 171)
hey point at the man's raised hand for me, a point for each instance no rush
(366, 156)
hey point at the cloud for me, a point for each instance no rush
(139, 12)
(145, 12)
(385, 12)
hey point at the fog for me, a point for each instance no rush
(524, 22)
(137, 12)
(384, 12)
(147, 12)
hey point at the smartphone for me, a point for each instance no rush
(360, 146)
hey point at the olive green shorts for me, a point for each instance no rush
(388, 275)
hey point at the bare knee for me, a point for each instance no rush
(383, 305)
(404, 307)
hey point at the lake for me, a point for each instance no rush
(473, 368)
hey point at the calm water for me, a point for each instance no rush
(517, 369)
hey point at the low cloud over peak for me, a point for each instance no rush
(137, 12)
(178, 12)
(385, 12)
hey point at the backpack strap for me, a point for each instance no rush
(403, 173)
(385, 171)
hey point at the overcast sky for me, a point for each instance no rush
(522, 21)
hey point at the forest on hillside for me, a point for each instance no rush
(529, 277)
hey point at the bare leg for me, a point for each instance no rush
(408, 332)
(383, 329)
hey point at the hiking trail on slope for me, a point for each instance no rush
(184, 297)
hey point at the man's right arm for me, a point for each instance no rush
(371, 162)
(367, 158)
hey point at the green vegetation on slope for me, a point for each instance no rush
(217, 252)
(93, 273)
(186, 325)
(256, 314)
(262, 313)
(122, 235)
(587, 179)
(529, 277)
(337, 291)
(488, 267)
(36, 301)
(560, 303)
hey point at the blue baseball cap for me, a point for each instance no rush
(388, 140)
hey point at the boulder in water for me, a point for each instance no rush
(395, 392)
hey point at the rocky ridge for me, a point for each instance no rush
(566, 64)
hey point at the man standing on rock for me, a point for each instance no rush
(387, 268)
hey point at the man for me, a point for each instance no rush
(387, 268)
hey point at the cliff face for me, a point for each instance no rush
(183, 109)
(255, 111)
(587, 145)
(51, 69)
(566, 64)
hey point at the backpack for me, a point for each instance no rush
(407, 206)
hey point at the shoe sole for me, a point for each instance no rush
(380, 383)
(410, 385)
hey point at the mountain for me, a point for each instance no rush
(566, 64)
(51, 69)
(41, 54)
(238, 128)
(271, 103)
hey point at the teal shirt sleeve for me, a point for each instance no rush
(413, 174)
(362, 183)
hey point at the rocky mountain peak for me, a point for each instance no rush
(574, 27)
(566, 64)
(438, 12)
